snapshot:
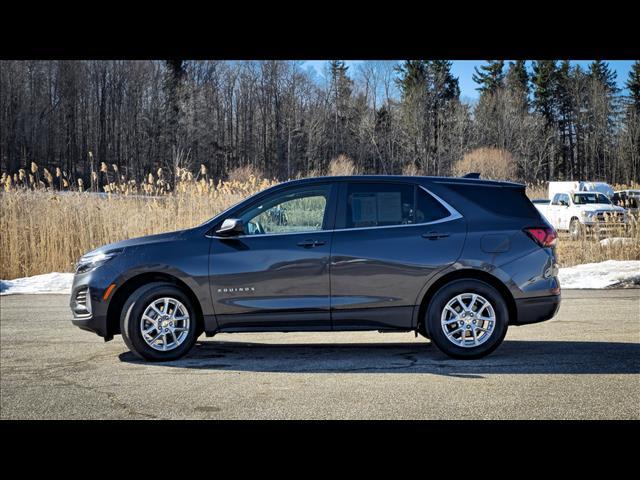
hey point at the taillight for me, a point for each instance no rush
(543, 236)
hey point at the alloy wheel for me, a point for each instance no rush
(468, 320)
(165, 324)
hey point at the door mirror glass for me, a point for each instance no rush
(231, 227)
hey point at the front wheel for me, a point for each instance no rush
(158, 322)
(467, 319)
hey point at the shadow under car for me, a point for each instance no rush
(514, 356)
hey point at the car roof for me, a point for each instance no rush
(403, 178)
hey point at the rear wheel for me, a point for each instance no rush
(467, 319)
(158, 322)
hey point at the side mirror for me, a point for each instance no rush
(231, 227)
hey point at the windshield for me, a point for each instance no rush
(585, 198)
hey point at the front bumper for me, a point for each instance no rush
(87, 304)
(537, 309)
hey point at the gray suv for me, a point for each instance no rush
(457, 260)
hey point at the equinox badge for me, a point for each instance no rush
(238, 289)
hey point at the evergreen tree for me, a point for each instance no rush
(565, 108)
(412, 76)
(340, 79)
(600, 71)
(517, 83)
(431, 76)
(429, 92)
(633, 84)
(490, 77)
(444, 84)
(341, 86)
(544, 81)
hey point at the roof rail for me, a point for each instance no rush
(472, 175)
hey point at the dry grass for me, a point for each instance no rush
(589, 250)
(342, 165)
(45, 230)
(537, 190)
(493, 163)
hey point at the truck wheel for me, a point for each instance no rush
(158, 322)
(575, 229)
(467, 319)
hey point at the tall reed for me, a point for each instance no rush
(46, 225)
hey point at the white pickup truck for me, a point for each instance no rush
(582, 212)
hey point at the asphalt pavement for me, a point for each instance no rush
(584, 364)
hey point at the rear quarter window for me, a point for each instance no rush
(505, 201)
(428, 209)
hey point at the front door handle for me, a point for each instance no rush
(434, 235)
(311, 243)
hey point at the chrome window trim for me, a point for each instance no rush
(307, 232)
(453, 215)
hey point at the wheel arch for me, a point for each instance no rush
(132, 284)
(466, 273)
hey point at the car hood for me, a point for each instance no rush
(599, 207)
(139, 241)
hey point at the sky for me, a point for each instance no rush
(463, 69)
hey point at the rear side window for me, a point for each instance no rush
(506, 201)
(388, 204)
(428, 209)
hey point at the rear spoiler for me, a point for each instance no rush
(472, 175)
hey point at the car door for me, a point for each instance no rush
(563, 212)
(275, 275)
(390, 238)
(554, 212)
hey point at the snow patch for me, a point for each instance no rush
(47, 283)
(616, 241)
(620, 273)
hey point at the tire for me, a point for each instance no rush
(422, 330)
(575, 229)
(184, 320)
(467, 340)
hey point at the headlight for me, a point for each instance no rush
(588, 214)
(92, 261)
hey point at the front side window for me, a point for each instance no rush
(561, 199)
(388, 204)
(288, 212)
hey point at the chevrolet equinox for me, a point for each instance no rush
(457, 260)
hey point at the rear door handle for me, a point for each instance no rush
(434, 235)
(311, 243)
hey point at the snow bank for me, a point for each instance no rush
(601, 275)
(616, 241)
(47, 283)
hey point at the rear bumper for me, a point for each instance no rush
(537, 309)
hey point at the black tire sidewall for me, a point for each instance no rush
(132, 314)
(446, 293)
